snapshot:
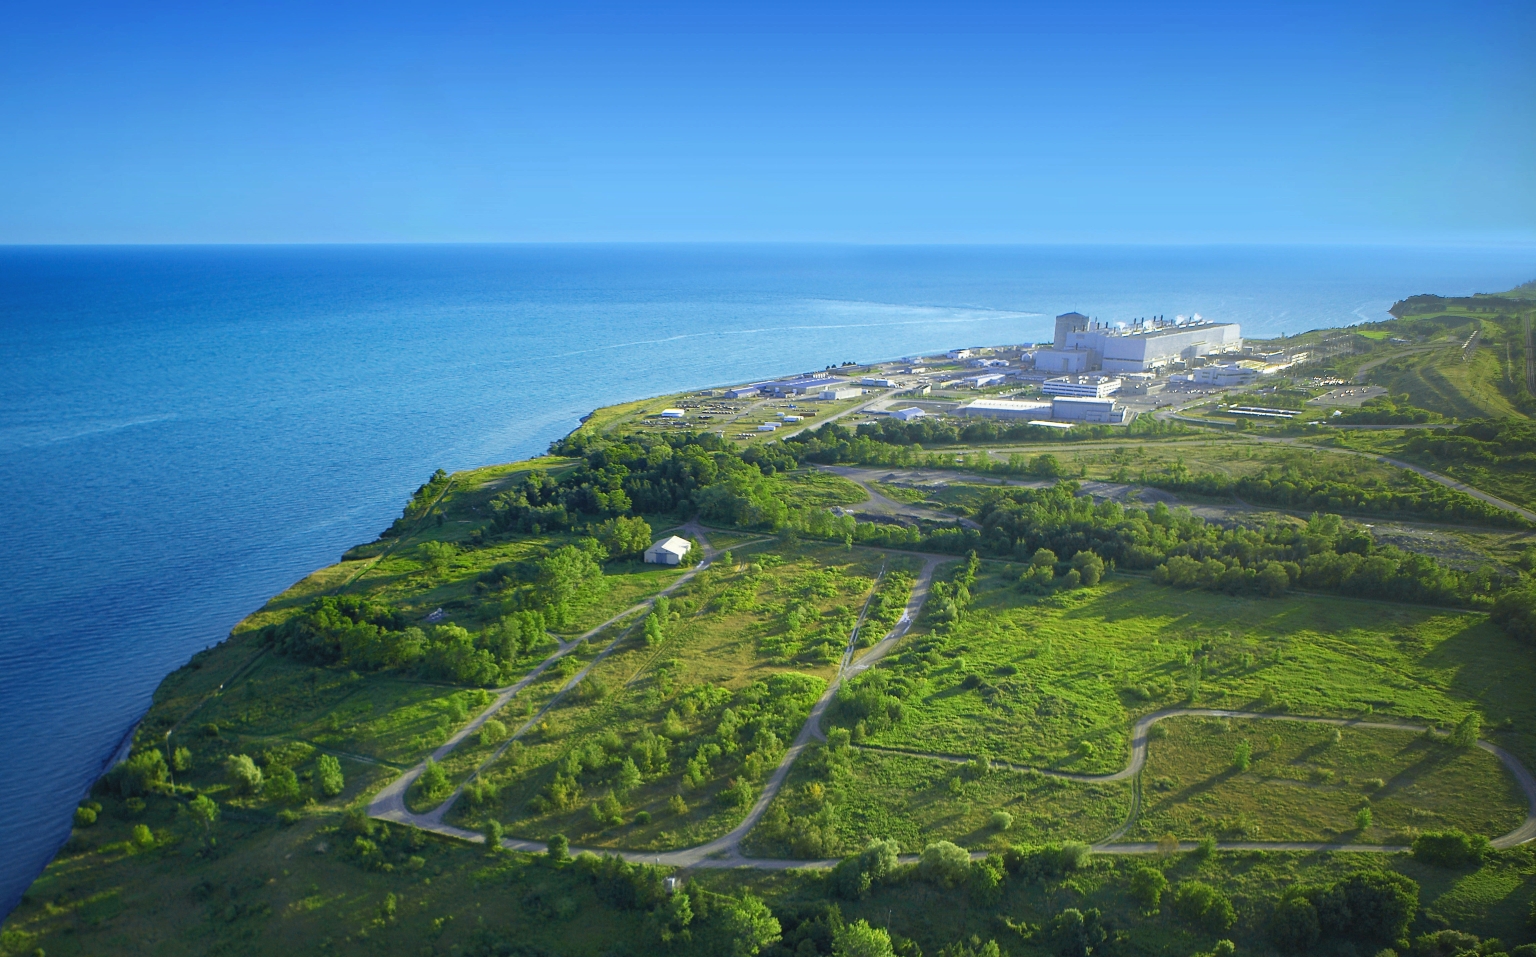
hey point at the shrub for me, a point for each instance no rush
(1204, 906)
(1294, 925)
(944, 863)
(1450, 848)
(1001, 820)
(1467, 731)
(559, 849)
(84, 817)
(1147, 886)
(181, 759)
(328, 776)
(243, 773)
(492, 732)
(282, 786)
(143, 836)
(643, 817)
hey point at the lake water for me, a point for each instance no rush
(186, 431)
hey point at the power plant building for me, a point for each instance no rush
(1083, 344)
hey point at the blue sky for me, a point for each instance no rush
(942, 122)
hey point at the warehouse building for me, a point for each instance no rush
(1069, 408)
(1007, 408)
(668, 551)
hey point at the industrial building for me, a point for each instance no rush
(745, 392)
(979, 381)
(1092, 386)
(1071, 408)
(907, 415)
(829, 395)
(1229, 374)
(672, 413)
(1007, 408)
(668, 551)
(1085, 345)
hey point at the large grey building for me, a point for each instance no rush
(1083, 344)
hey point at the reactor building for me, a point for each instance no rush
(1146, 345)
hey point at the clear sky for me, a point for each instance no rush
(873, 122)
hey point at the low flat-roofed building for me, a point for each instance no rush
(986, 379)
(668, 551)
(745, 392)
(882, 383)
(1092, 386)
(768, 427)
(907, 415)
(1227, 374)
(959, 354)
(1007, 408)
(1061, 360)
(830, 395)
(672, 413)
(1073, 408)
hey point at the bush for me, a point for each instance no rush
(84, 817)
(1294, 925)
(282, 786)
(143, 836)
(492, 733)
(328, 776)
(1147, 886)
(243, 773)
(944, 863)
(1450, 848)
(1515, 612)
(1204, 906)
(1001, 820)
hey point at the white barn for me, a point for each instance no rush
(668, 551)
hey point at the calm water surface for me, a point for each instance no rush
(186, 431)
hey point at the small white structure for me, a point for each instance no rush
(768, 427)
(907, 415)
(959, 354)
(672, 413)
(790, 418)
(668, 551)
(882, 383)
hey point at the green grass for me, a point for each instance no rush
(1080, 666)
(834, 805)
(1304, 785)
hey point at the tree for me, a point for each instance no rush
(858, 939)
(1090, 566)
(493, 835)
(437, 555)
(85, 816)
(559, 850)
(243, 773)
(140, 774)
(1273, 579)
(1242, 756)
(653, 629)
(1467, 731)
(1002, 820)
(181, 760)
(492, 732)
(1362, 819)
(1075, 933)
(328, 775)
(143, 836)
(624, 537)
(677, 805)
(944, 863)
(1294, 925)
(628, 777)
(433, 778)
(282, 786)
(1147, 886)
(204, 812)
(1515, 612)
(1450, 848)
(1203, 905)
(748, 926)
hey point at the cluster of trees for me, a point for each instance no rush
(1385, 410)
(1289, 486)
(893, 442)
(421, 502)
(1504, 442)
(368, 635)
(1368, 907)
(278, 779)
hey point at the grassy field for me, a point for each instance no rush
(1048, 676)
(834, 804)
(1307, 782)
(785, 613)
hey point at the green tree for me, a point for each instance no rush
(566, 580)
(433, 778)
(559, 850)
(1090, 566)
(85, 816)
(944, 863)
(628, 777)
(492, 732)
(1147, 886)
(858, 939)
(181, 760)
(748, 926)
(1467, 731)
(494, 832)
(282, 786)
(243, 773)
(1203, 905)
(653, 629)
(624, 537)
(328, 776)
(1515, 611)
(204, 812)
(1242, 756)
(143, 836)
(1273, 579)
(437, 555)
(1362, 819)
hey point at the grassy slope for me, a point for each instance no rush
(1088, 662)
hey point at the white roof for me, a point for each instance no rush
(1008, 405)
(673, 413)
(673, 544)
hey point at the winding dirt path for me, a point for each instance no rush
(724, 851)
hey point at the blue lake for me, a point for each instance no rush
(186, 431)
